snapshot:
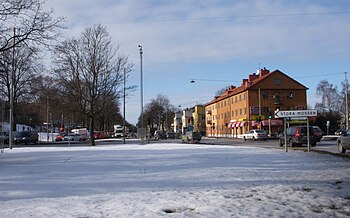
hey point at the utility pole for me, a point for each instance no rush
(346, 103)
(141, 90)
(124, 128)
(12, 90)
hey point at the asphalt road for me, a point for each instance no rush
(323, 146)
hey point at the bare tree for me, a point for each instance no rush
(24, 68)
(91, 72)
(331, 100)
(159, 112)
(32, 22)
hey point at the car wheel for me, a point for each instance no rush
(254, 139)
(244, 138)
(341, 148)
(291, 144)
(281, 142)
(313, 144)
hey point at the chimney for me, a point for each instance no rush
(263, 72)
(252, 77)
(244, 82)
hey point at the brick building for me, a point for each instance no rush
(252, 104)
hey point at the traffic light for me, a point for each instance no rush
(270, 115)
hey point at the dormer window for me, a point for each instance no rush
(277, 82)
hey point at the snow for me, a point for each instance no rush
(172, 180)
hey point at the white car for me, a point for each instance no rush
(256, 134)
(73, 137)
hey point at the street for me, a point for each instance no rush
(323, 146)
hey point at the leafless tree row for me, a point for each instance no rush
(87, 71)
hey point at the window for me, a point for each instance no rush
(225, 103)
(236, 112)
(245, 110)
(277, 95)
(244, 96)
(240, 111)
(289, 95)
(236, 99)
(265, 95)
(240, 97)
(277, 81)
(266, 110)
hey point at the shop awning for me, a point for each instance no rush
(231, 125)
(243, 123)
(237, 124)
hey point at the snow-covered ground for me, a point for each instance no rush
(172, 180)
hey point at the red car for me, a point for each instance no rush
(60, 136)
(100, 135)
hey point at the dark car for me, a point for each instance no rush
(340, 132)
(191, 136)
(26, 137)
(343, 142)
(297, 135)
(318, 132)
(159, 135)
(171, 135)
(4, 137)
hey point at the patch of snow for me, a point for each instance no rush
(177, 180)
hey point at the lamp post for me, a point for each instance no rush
(141, 90)
(12, 89)
(346, 103)
(124, 128)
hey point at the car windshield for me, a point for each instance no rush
(21, 134)
(260, 131)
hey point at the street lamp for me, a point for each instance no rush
(141, 90)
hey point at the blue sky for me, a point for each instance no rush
(212, 40)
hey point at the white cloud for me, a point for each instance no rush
(178, 36)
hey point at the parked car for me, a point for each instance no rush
(73, 137)
(297, 135)
(158, 134)
(26, 137)
(256, 134)
(318, 132)
(4, 137)
(191, 136)
(340, 132)
(60, 136)
(100, 135)
(343, 142)
(171, 135)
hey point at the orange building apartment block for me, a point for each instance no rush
(252, 105)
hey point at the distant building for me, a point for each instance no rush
(199, 118)
(192, 118)
(178, 121)
(252, 104)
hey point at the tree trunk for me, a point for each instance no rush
(92, 124)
